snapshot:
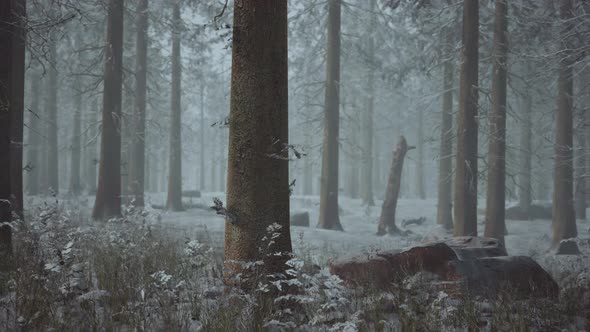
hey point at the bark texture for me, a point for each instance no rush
(174, 200)
(138, 160)
(17, 106)
(108, 193)
(329, 218)
(564, 218)
(466, 157)
(258, 171)
(387, 219)
(444, 210)
(496, 186)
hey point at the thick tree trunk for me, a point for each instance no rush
(387, 220)
(258, 141)
(11, 85)
(564, 218)
(368, 115)
(466, 157)
(496, 186)
(108, 194)
(52, 123)
(137, 161)
(17, 106)
(526, 134)
(445, 174)
(174, 201)
(34, 143)
(75, 180)
(329, 218)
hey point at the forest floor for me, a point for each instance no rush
(159, 270)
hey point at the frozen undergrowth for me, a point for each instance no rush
(161, 271)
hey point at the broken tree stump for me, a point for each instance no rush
(387, 220)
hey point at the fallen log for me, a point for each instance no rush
(387, 220)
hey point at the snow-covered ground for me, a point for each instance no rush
(530, 238)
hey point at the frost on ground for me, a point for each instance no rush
(153, 270)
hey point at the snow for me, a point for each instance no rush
(528, 238)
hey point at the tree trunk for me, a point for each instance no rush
(308, 166)
(329, 218)
(11, 85)
(368, 115)
(526, 133)
(137, 162)
(387, 220)
(202, 184)
(174, 201)
(466, 157)
(445, 209)
(108, 194)
(34, 145)
(258, 141)
(91, 147)
(564, 218)
(75, 181)
(496, 186)
(580, 180)
(420, 190)
(17, 105)
(353, 178)
(52, 124)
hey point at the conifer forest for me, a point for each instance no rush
(294, 165)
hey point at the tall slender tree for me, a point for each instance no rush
(108, 193)
(329, 218)
(525, 197)
(34, 143)
(564, 218)
(368, 125)
(75, 178)
(52, 123)
(466, 156)
(258, 141)
(496, 186)
(445, 174)
(174, 201)
(202, 143)
(138, 159)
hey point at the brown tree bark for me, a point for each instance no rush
(466, 156)
(387, 220)
(137, 161)
(496, 186)
(564, 218)
(34, 143)
(445, 174)
(108, 193)
(17, 105)
(174, 200)
(75, 179)
(258, 141)
(52, 124)
(368, 125)
(329, 218)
